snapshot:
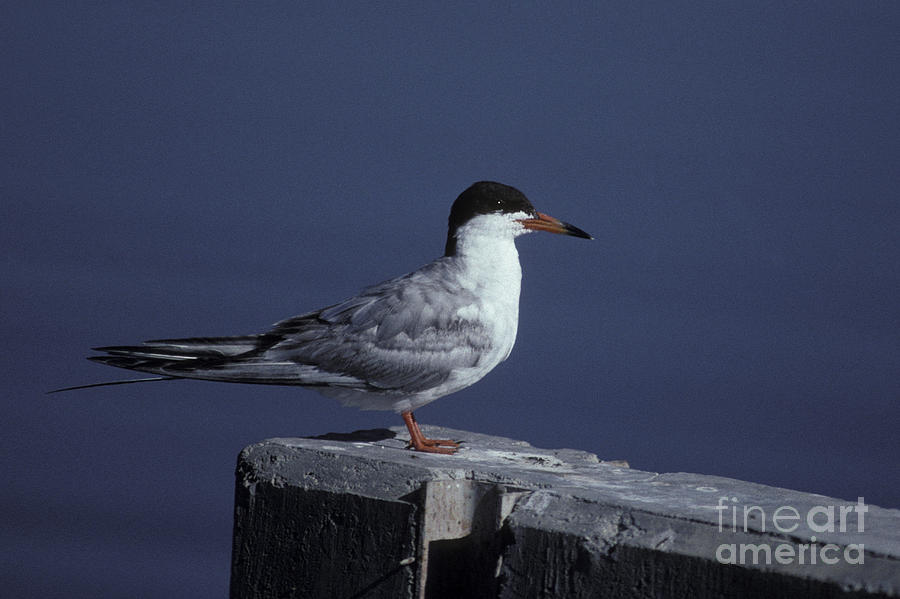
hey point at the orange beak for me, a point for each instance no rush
(545, 222)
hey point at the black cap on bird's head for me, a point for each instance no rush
(489, 197)
(486, 197)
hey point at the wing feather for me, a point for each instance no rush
(405, 335)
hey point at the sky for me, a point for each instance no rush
(174, 169)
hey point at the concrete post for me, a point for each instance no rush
(358, 515)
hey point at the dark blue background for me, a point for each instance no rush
(175, 171)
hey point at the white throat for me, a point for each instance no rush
(486, 250)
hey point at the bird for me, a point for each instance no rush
(397, 345)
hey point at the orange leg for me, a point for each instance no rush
(418, 441)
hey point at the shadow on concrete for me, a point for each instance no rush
(365, 436)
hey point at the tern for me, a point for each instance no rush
(397, 345)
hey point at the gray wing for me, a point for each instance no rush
(403, 335)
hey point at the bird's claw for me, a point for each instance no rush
(444, 446)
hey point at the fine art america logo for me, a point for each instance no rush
(735, 518)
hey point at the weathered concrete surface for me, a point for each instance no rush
(359, 516)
